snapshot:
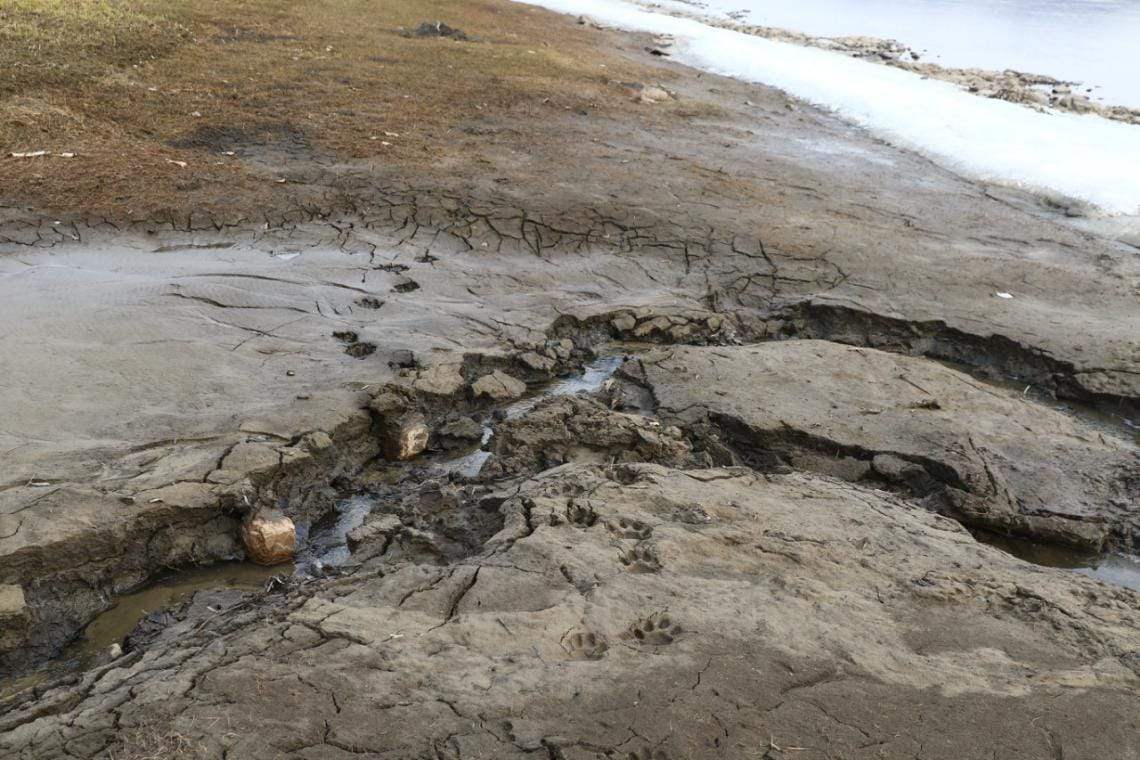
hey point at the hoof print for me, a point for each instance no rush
(584, 645)
(641, 559)
(623, 527)
(656, 630)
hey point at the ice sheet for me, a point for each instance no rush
(1088, 41)
(1081, 156)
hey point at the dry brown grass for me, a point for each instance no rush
(280, 82)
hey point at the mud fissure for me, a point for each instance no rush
(423, 516)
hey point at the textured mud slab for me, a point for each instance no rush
(637, 611)
(164, 375)
(981, 453)
(582, 430)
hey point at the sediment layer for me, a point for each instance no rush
(674, 553)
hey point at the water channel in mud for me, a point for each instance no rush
(150, 602)
(323, 546)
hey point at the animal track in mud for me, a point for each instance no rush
(360, 350)
(691, 514)
(656, 630)
(641, 559)
(581, 644)
(581, 514)
(406, 285)
(624, 527)
(368, 302)
(355, 347)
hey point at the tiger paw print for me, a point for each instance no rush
(624, 527)
(581, 644)
(580, 513)
(656, 630)
(640, 559)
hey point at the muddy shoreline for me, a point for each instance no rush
(701, 507)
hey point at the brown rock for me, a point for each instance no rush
(269, 538)
(404, 437)
(380, 529)
(318, 441)
(623, 323)
(579, 429)
(464, 428)
(388, 402)
(657, 324)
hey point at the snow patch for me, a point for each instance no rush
(1080, 156)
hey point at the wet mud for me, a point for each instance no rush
(693, 463)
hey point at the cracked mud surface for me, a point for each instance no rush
(546, 641)
(982, 454)
(640, 600)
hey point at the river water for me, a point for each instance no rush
(1094, 42)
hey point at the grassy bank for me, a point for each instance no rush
(45, 43)
(240, 91)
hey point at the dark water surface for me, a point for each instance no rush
(1116, 568)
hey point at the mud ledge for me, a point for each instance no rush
(291, 328)
(196, 522)
(599, 546)
(995, 355)
(998, 355)
(68, 582)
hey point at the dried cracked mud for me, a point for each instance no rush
(751, 541)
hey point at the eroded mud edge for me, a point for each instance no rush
(440, 222)
(67, 585)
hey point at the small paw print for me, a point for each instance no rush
(624, 527)
(641, 559)
(656, 630)
(581, 644)
(581, 514)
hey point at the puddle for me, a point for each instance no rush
(113, 626)
(325, 544)
(593, 376)
(1116, 568)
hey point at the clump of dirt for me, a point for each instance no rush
(439, 29)
(580, 429)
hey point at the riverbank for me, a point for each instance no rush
(1081, 162)
(1061, 55)
(230, 342)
